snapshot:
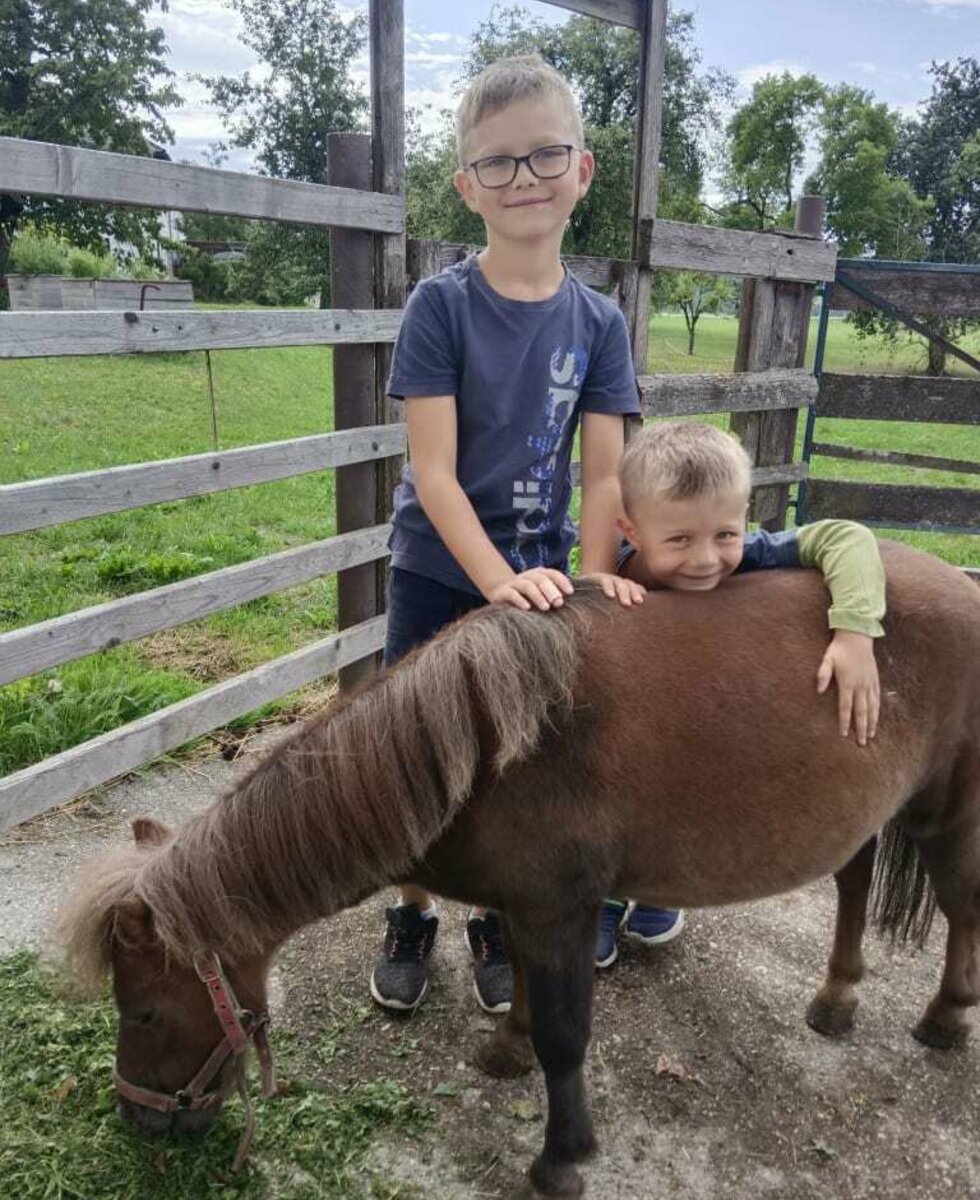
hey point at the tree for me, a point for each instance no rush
(696, 294)
(937, 153)
(767, 138)
(307, 48)
(82, 72)
(601, 63)
(930, 156)
(870, 209)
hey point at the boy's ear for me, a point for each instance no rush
(586, 171)
(464, 185)
(628, 530)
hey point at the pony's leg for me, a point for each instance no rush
(559, 984)
(831, 1011)
(953, 862)
(508, 1051)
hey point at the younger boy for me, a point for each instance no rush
(685, 488)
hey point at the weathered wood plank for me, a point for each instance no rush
(42, 502)
(617, 12)
(36, 789)
(682, 247)
(39, 335)
(900, 398)
(898, 504)
(683, 395)
(646, 167)
(387, 52)
(895, 458)
(45, 169)
(922, 293)
(102, 626)
(352, 282)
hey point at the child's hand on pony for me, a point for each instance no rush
(618, 587)
(850, 659)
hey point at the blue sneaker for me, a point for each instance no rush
(654, 926)
(611, 916)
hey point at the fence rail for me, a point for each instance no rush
(103, 626)
(42, 334)
(46, 169)
(628, 13)
(896, 505)
(900, 398)
(675, 245)
(933, 292)
(36, 789)
(59, 499)
(686, 395)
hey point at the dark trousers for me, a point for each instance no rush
(418, 608)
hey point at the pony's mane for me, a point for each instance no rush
(348, 802)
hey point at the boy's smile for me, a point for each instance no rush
(528, 207)
(689, 545)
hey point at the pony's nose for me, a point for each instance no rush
(152, 1121)
(147, 1120)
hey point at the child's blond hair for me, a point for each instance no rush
(680, 460)
(507, 81)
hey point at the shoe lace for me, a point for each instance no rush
(407, 945)
(491, 947)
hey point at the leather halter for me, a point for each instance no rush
(238, 1026)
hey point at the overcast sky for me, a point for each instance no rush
(883, 45)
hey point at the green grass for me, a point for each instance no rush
(64, 415)
(62, 1139)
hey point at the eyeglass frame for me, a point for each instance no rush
(517, 159)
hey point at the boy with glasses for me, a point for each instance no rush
(499, 359)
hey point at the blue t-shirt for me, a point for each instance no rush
(521, 371)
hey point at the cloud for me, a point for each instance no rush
(948, 5)
(749, 76)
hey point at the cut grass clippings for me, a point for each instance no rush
(62, 1139)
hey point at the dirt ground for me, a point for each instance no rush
(704, 1079)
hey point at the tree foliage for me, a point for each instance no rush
(82, 73)
(870, 209)
(934, 154)
(306, 48)
(767, 140)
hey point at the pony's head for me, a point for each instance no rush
(184, 1019)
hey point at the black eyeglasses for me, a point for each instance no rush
(499, 170)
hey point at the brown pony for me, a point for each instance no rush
(676, 753)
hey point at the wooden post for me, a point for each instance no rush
(387, 48)
(774, 322)
(352, 285)
(646, 175)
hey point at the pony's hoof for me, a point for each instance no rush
(939, 1037)
(554, 1179)
(503, 1060)
(828, 1019)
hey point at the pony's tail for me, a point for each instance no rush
(903, 901)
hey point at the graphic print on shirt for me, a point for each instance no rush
(534, 496)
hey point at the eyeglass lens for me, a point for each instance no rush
(547, 163)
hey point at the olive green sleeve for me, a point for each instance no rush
(847, 555)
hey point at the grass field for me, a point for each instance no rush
(59, 416)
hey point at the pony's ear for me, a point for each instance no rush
(149, 832)
(133, 924)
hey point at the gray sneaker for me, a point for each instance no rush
(493, 976)
(400, 977)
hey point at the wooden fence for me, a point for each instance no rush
(364, 209)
